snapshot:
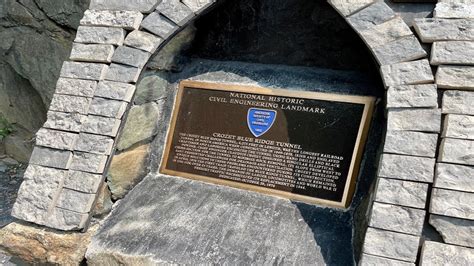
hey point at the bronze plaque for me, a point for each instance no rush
(300, 145)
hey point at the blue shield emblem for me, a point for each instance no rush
(260, 121)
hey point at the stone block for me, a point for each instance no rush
(56, 139)
(453, 9)
(385, 33)
(425, 95)
(129, 20)
(106, 126)
(94, 144)
(131, 56)
(397, 218)
(88, 162)
(143, 41)
(411, 143)
(159, 25)
(70, 104)
(82, 181)
(101, 53)
(412, 168)
(454, 231)
(401, 50)
(197, 6)
(459, 126)
(176, 11)
(374, 14)
(144, 6)
(452, 53)
(458, 102)
(41, 174)
(76, 87)
(407, 73)
(115, 90)
(370, 260)
(67, 220)
(436, 29)
(455, 77)
(404, 193)
(122, 73)
(50, 157)
(427, 120)
(64, 121)
(107, 107)
(452, 203)
(78, 70)
(100, 35)
(348, 7)
(434, 253)
(75, 201)
(455, 177)
(456, 151)
(391, 245)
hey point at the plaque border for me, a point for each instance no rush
(354, 168)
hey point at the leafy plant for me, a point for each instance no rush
(5, 127)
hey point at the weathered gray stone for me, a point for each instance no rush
(374, 14)
(107, 107)
(52, 158)
(455, 77)
(101, 35)
(151, 88)
(93, 71)
(391, 245)
(402, 50)
(396, 218)
(103, 203)
(75, 201)
(435, 29)
(348, 7)
(66, 220)
(131, 56)
(101, 53)
(65, 121)
(413, 168)
(84, 182)
(453, 176)
(129, 20)
(428, 120)
(94, 144)
(143, 41)
(407, 73)
(370, 260)
(404, 193)
(144, 6)
(115, 90)
(452, 53)
(385, 33)
(454, 231)
(411, 143)
(425, 95)
(121, 73)
(434, 253)
(141, 125)
(458, 102)
(175, 11)
(456, 151)
(76, 87)
(159, 25)
(70, 104)
(452, 203)
(198, 6)
(459, 126)
(88, 162)
(56, 139)
(458, 9)
(106, 126)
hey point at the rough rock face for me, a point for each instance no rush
(28, 76)
(37, 245)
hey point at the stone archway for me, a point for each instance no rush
(116, 40)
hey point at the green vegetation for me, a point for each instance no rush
(5, 127)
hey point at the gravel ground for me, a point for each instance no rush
(11, 175)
